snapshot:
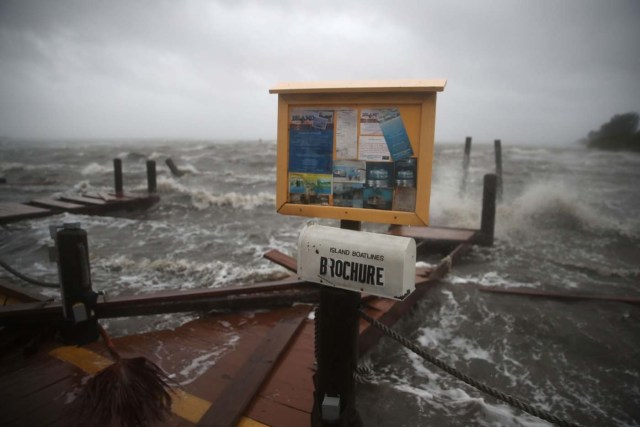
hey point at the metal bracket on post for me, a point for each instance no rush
(330, 410)
(79, 301)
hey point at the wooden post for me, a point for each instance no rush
(465, 164)
(151, 176)
(488, 221)
(78, 299)
(337, 327)
(117, 174)
(174, 169)
(498, 152)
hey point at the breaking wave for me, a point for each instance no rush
(17, 167)
(555, 205)
(96, 169)
(203, 199)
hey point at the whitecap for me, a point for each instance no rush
(96, 169)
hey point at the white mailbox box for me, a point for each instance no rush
(377, 264)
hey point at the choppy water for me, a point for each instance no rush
(569, 222)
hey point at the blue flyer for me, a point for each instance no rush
(311, 143)
(395, 135)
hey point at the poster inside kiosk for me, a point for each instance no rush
(358, 151)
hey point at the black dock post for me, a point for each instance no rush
(465, 164)
(337, 326)
(498, 151)
(79, 325)
(488, 221)
(151, 176)
(174, 169)
(117, 174)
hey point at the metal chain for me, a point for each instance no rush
(465, 378)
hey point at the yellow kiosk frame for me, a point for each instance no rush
(413, 100)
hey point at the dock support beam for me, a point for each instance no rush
(337, 327)
(465, 164)
(488, 221)
(498, 151)
(117, 175)
(152, 185)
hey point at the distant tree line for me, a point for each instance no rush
(619, 133)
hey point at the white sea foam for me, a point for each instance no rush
(490, 279)
(555, 204)
(247, 179)
(183, 274)
(450, 207)
(196, 366)
(17, 167)
(190, 169)
(203, 199)
(96, 169)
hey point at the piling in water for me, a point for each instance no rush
(174, 169)
(498, 152)
(117, 174)
(465, 164)
(151, 177)
(488, 221)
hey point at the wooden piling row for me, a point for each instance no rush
(498, 166)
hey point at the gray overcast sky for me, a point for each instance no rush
(525, 71)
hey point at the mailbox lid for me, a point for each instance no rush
(377, 264)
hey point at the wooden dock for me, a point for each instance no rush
(249, 362)
(85, 203)
(237, 366)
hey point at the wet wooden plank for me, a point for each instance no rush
(228, 409)
(435, 234)
(45, 406)
(528, 292)
(19, 293)
(84, 200)
(275, 414)
(38, 393)
(96, 203)
(54, 204)
(17, 211)
(110, 197)
(281, 259)
(291, 381)
(264, 295)
(40, 372)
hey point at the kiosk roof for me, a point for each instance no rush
(369, 86)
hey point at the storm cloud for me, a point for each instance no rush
(526, 72)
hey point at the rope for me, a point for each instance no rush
(27, 278)
(465, 378)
